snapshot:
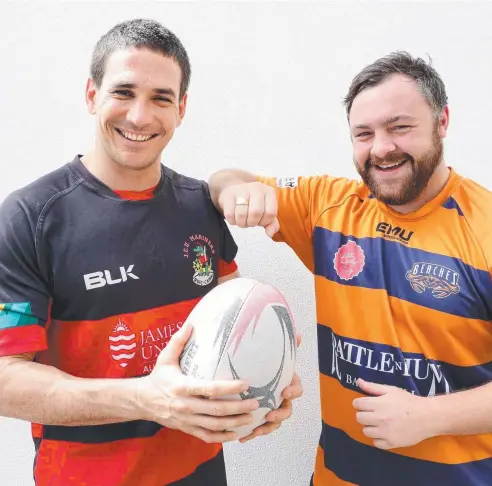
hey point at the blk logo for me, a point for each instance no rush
(104, 277)
(394, 232)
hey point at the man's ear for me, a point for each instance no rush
(182, 108)
(90, 96)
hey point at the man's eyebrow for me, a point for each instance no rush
(163, 91)
(387, 122)
(396, 118)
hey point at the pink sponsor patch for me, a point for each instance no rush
(349, 260)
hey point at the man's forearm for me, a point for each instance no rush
(462, 413)
(225, 178)
(42, 394)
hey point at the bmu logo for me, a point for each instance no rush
(100, 279)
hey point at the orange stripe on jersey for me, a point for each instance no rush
(226, 268)
(23, 339)
(126, 344)
(446, 449)
(158, 461)
(461, 345)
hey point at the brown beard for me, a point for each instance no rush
(409, 189)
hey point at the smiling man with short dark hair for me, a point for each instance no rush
(99, 273)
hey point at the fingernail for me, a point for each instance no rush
(254, 405)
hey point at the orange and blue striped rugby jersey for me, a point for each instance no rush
(402, 300)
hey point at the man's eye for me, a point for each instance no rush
(162, 98)
(123, 92)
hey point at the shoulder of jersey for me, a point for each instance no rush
(184, 182)
(475, 201)
(336, 190)
(35, 195)
(475, 204)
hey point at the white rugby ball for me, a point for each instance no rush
(243, 329)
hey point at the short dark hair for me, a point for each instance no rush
(140, 34)
(400, 62)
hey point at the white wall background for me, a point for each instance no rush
(266, 90)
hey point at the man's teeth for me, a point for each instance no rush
(390, 166)
(136, 138)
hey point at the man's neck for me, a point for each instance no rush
(117, 177)
(434, 187)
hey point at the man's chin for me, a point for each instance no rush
(135, 163)
(389, 194)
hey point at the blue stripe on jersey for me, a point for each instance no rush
(452, 204)
(423, 278)
(100, 434)
(347, 359)
(16, 314)
(364, 465)
(210, 473)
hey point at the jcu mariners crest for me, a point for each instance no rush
(202, 251)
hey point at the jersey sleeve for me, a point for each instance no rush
(226, 268)
(227, 263)
(24, 298)
(228, 247)
(301, 200)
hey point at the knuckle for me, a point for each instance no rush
(229, 213)
(180, 407)
(210, 390)
(201, 435)
(177, 389)
(255, 213)
(218, 410)
(215, 425)
(241, 220)
(257, 185)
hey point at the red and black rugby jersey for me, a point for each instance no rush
(96, 283)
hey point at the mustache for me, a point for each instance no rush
(389, 159)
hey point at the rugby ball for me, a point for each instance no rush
(243, 329)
